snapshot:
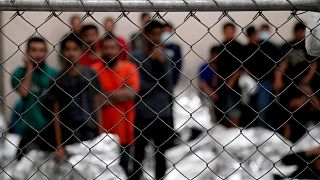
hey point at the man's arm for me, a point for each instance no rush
(312, 71)
(152, 69)
(98, 112)
(233, 79)
(120, 96)
(60, 151)
(209, 91)
(160, 66)
(25, 85)
(129, 90)
(278, 74)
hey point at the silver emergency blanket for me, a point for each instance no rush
(95, 159)
(8, 150)
(310, 140)
(313, 40)
(189, 112)
(223, 153)
(3, 124)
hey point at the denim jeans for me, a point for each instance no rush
(262, 100)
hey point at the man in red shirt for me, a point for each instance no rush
(120, 83)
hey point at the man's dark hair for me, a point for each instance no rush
(109, 36)
(35, 40)
(152, 25)
(214, 49)
(144, 15)
(88, 27)
(250, 31)
(299, 26)
(229, 24)
(68, 38)
(265, 26)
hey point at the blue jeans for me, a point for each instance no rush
(262, 100)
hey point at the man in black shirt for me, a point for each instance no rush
(260, 63)
(294, 66)
(293, 77)
(229, 68)
(75, 98)
(154, 107)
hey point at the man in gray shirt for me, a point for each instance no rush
(154, 110)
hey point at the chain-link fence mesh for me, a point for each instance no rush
(185, 90)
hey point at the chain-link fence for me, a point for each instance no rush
(159, 89)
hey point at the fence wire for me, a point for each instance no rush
(246, 106)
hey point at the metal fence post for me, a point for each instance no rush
(159, 5)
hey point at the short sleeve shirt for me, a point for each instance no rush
(119, 118)
(33, 118)
(75, 96)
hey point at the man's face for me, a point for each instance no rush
(90, 36)
(145, 19)
(109, 25)
(72, 52)
(110, 50)
(75, 23)
(37, 51)
(213, 56)
(229, 33)
(299, 34)
(155, 36)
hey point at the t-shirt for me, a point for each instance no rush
(174, 53)
(229, 61)
(119, 118)
(261, 60)
(207, 74)
(298, 60)
(156, 86)
(75, 95)
(33, 118)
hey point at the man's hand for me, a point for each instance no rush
(60, 154)
(157, 54)
(29, 64)
(278, 84)
(306, 90)
(314, 151)
(25, 85)
(230, 83)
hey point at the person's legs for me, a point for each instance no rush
(263, 100)
(233, 109)
(163, 139)
(139, 148)
(161, 165)
(124, 159)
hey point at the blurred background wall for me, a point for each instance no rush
(17, 29)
